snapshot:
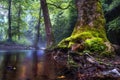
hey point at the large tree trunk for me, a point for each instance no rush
(89, 32)
(9, 21)
(49, 34)
(89, 15)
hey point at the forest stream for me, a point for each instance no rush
(21, 64)
(39, 65)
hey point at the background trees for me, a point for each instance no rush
(112, 10)
(20, 23)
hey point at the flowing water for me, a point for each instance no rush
(21, 64)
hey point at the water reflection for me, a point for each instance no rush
(21, 65)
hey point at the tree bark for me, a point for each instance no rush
(48, 26)
(9, 21)
(89, 13)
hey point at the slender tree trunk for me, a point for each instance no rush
(19, 15)
(48, 26)
(9, 21)
(35, 57)
(38, 31)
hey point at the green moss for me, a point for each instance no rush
(82, 35)
(72, 39)
(99, 7)
(95, 44)
(70, 44)
(94, 41)
(63, 44)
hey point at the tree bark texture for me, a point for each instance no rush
(19, 18)
(89, 13)
(9, 21)
(48, 26)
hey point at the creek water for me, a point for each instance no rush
(21, 64)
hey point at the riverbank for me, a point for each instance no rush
(6, 45)
(71, 66)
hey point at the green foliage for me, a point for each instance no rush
(108, 5)
(28, 20)
(23, 41)
(114, 25)
(63, 20)
(114, 4)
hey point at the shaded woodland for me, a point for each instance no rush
(81, 36)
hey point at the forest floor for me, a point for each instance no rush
(86, 67)
(92, 67)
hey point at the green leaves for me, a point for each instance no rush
(114, 25)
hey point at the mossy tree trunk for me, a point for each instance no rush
(89, 30)
(89, 15)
